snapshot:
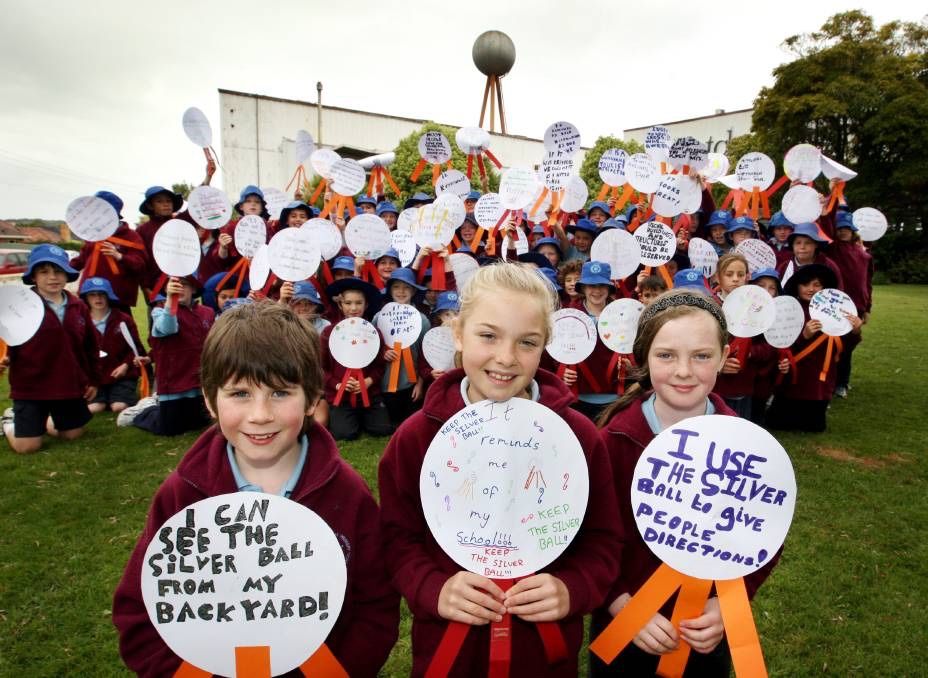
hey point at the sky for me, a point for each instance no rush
(93, 93)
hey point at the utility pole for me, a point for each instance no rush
(319, 112)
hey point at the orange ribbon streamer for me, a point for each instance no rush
(144, 385)
(320, 188)
(187, 670)
(837, 195)
(746, 655)
(690, 603)
(97, 253)
(255, 662)
(241, 266)
(834, 344)
(404, 356)
(299, 176)
(337, 206)
(323, 663)
(379, 174)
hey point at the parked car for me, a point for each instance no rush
(13, 261)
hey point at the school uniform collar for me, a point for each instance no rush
(465, 382)
(650, 414)
(244, 485)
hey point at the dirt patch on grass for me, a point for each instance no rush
(864, 462)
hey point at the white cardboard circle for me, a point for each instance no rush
(801, 204)
(573, 337)
(688, 152)
(755, 169)
(657, 143)
(642, 173)
(438, 348)
(829, 306)
(276, 201)
(209, 207)
(91, 219)
(250, 233)
(618, 324)
(619, 249)
(716, 167)
(354, 343)
(788, 321)
(727, 507)
(197, 127)
(21, 314)
(464, 266)
(674, 194)
(407, 218)
(453, 181)
(259, 270)
(703, 256)
(438, 221)
(293, 254)
(556, 169)
(472, 140)
(730, 181)
(517, 187)
(176, 248)
(504, 487)
(759, 254)
(399, 322)
(327, 236)
(657, 243)
(803, 162)
(348, 177)
(303, 584)
(404, 243)
(322, 160)
(749, 311)
(575, 194)
(304, 146)
(611, 166)
(563, 138)
(832, 169)
(434, 148)
(870, 222)
(368, 236)
(520, 246)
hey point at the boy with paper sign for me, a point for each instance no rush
(262, 377)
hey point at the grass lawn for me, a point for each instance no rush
(843, 601)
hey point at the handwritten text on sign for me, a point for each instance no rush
(244, 569)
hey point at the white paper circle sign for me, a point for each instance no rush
(674, 194)
(755, 169)
(618, 324)
(688, 152)
(293, 254)
(407, 218)
(575, 194)
(801, 204)
(713, 496)
(832, 169)
(517, 187)
(504, 487)
(871, 223)
(702, 256)
(831, 307)
(611, 167)
(276, 201)
(438, 348)
(348, 176)
(657, 143)
(265, 570)
(563, 138)
(657, 243)
(368, 236)
(176, 248)
(803, 162)
(399, 322)
(303, 146)
(642, 173)
(759, 254)
(556, 170)
(322, 160)
(619, 249)
(209, 207)
(573, 338)
(729, 181)
(716, 167)
(464, 266)
(197, 128)
(438, 221)
(434, 148)
(259, 270)
(472, 140)
(749, 311)
(788, 322)
(91, 219)
(404, 243)
(354, 343)
(326, 235)
(250, 233)
(453, 181)
(21, 314)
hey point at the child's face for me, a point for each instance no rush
(262, 423)
(550, 253)
(740, 236)
(803, 249)
(734, 276)
(501, 343)
(97, 301)
(251, 205)
(445, 317)
(469, 205)
(367, 208)
(49, 279)
(467, 231)
(648, 295)
(684, 360)
(401, 293)
(781, 233)
(583, 241)
(768, 284)
(431, 296)
(386, 266)
(717, 234)
(161, 205)
(340, 274)
(297, 217)
(352, 303)
(389, 219)
(809, 289)
(186, 295)
(844, 234)
(224, 295)
(598, 217)
(303, 307)
(598, 295)
(570, 284)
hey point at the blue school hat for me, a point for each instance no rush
(237, 301)
(611, 223)
(538, 229)
(599, 204)
(473, 195)
(845, 220)
(447, 301)
(389, 253)
(343, 263)
(540, 260)
(808, 230)
(583, 225)
(550, 275)
(596, 273)
(417, 199)
(740, 224)
(101, 285)
(51, 254)
(251, 189)
(296, 204)
(306, 290)
(548, 241)
(210, 294)
(779, 219)
(690, 278)
(719, 218)
(112, 199)
(365, 199)
(386, 206)
(403, 275)
(176, 200)
(767, 273)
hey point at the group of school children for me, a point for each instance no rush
(256, 364)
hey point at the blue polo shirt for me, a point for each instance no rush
(647, 407)
(244, 486)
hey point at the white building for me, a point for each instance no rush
(713, 130)
(258, 134)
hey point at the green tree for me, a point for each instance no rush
(589, 171)
(183, 188)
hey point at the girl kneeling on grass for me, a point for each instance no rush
(681, 346)
(501, 332)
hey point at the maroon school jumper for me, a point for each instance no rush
(131, 270)
(808, 386)
(60, 361)
(117, 349)
(597, 362)
(420, 568)
(741, 383)
(177, 356)
(625, 436)
(819, 259)
(368, 622)
(334, 372)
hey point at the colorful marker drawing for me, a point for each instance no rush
(466, 489)
(535, 475)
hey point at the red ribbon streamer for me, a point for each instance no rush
(339, 394)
